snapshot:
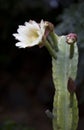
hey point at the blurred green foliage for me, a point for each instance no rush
(11, 125)
(72, 20)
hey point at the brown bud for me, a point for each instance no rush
(71, 38)
(49, 28)
(71, 85)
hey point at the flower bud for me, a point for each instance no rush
(71, 38)
(49, 28)
(71, 85)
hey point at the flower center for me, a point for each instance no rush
(33, 35)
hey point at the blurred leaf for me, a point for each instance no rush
(72, 20)
(11, 125)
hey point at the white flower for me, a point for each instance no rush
(30, 34)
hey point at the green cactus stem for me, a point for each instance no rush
(65, 106)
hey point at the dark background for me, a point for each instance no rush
(26, 88)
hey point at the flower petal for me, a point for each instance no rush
(21, 45)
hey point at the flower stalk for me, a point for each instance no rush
(54, 40)
(50, 49)
(71, 51)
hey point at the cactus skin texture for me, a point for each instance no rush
(65, 106)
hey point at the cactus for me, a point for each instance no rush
(65, 108)
(64, 55)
